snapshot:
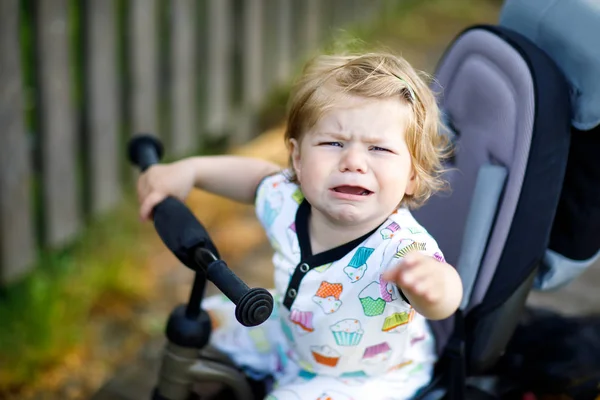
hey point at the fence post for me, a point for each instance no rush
(252, 64)
(103, 103)
(284, 41)
(183, 78)
(59, 167)
(144, 66)
(17, 250)
(311, 29)
(253, 52)
(220, 61)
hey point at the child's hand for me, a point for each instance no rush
(433, 288)
(162, 180)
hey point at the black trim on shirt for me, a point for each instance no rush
(316, 260)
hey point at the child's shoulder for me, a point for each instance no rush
(406, 234)
(277, 184)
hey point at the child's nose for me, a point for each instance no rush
(353, 161)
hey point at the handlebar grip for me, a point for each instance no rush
(181, 232)
(253, 306)
(145, 150)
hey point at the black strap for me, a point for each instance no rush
(455, 353)
(450, 370)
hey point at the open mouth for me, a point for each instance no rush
(354, 190)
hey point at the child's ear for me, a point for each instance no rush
(295, 151)
(411, 185)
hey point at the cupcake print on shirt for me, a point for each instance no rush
(334, 395)
(375, 295)
(298, 196)
(272, 208)
(388, 231)
(377, 354)
(325, 355)
(303, 321)
(328, 297)
(347, 332)
(397, 322)
(407, 246)
(358, 264)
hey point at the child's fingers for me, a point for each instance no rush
(148, 204)
(410, 261)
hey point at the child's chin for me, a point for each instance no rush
(348, 217)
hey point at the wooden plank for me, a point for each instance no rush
(183, 86)
(17, 247)
(143, 66)
(103, 102)
(253, 83)
(253, 16)
(220, 62)
(270, 48)
(62, 214)
(284, 41)
(311, 27)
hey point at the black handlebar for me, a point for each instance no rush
(185, 237)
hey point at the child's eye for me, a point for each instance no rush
(377, 148)
(336, 144)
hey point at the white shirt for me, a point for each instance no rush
(340, 317)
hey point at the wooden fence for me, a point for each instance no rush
(77, 77)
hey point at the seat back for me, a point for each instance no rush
(567, 32)
(507, 108)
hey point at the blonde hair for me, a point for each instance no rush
(327, 78)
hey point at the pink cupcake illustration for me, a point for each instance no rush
(303, 320)
(347, 332)
(388, 231)
(377, 353)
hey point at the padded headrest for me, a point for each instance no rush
(568, 32)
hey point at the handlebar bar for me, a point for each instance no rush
(189, 241)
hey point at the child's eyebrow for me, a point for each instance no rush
(334, 135)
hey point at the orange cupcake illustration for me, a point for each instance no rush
(328, 297)
(325, 355)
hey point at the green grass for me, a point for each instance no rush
(45, 316)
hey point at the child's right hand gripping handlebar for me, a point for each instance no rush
(185, 237)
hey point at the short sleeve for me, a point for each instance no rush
(406, 240)
(275, 196)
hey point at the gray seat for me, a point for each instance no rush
(507, 108)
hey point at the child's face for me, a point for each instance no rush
(353, 165)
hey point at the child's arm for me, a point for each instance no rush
(233, 177)
(433, 288)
